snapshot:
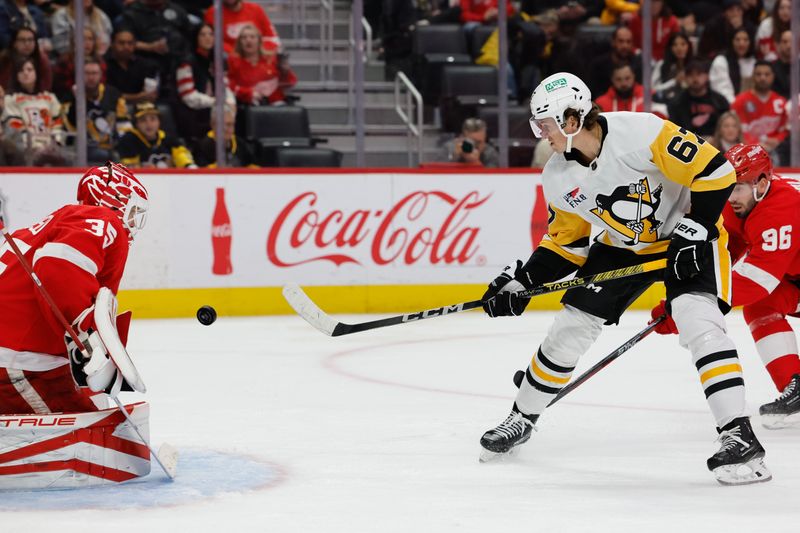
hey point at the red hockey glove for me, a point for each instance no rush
(667, 327)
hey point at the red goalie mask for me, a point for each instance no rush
(115, 187)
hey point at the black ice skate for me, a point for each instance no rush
(740, 459)
(785, 411)
(514, 430)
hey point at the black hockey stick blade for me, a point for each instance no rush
(306, 308)
(519, 375)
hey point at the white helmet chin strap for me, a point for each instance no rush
(569, 136)
(755, 190)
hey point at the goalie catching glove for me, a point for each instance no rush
(502, 297)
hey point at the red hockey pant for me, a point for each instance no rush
(52, 391)
(774, 337)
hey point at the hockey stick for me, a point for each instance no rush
(601, 364)
(168, 452)
(306, 308)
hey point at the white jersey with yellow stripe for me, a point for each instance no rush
(636, 190)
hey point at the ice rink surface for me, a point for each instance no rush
(378, 432)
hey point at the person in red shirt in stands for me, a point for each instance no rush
(762, 110)
(477, 12)
(624, 94)
(664, 24)
(256, 75)
(236, 14)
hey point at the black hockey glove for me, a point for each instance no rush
(501, 298)
(687, 250)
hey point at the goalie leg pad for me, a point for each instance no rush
(73, 450)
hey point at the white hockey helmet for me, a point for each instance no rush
(553, 96)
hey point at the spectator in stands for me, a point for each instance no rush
(728, 132)
(106, 113)
(754, 11)
(256, 75)
(771, 30)
(732, 71)
(622, 52)
(697, 108)
(64, 69)
(237, 152)
(147, 146)
(161, 29)
(195, 79)
(236, 14)
(136, 77)
(64, 27)
(718, 33)
(782, 65)
(195, 8)
(669, 74)
(477, 12)
(762, 110)
(32, 117)
(570, 12)
(15, 14)
(24, 45)
(624, 94)
(471, 147)
(618, 12)
(536, 51)
(664, 25)
(436, 12)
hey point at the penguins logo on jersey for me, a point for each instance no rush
(630, 210)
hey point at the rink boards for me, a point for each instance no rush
(370, 241)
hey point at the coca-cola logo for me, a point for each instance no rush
(221, 230)
(404, 233)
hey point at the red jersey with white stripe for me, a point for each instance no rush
(234, 21)
(761, 118)
(766, 244)
(74, 251)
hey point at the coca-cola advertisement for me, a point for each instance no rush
(426, 227)
(221, 237)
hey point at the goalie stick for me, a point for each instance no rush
(169, 464)
(306, 308)
(601, 364)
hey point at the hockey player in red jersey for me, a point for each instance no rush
(762, 220)
(74, 251)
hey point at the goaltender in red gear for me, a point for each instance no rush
(763, 221)
(74, 251)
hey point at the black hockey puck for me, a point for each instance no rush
(206, 315)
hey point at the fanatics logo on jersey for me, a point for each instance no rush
(574, 197)
(630, 210)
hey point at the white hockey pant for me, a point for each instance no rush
(570, 336)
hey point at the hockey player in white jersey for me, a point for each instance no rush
(656, 191)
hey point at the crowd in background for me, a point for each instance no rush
(720, 67)
(147, 62)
